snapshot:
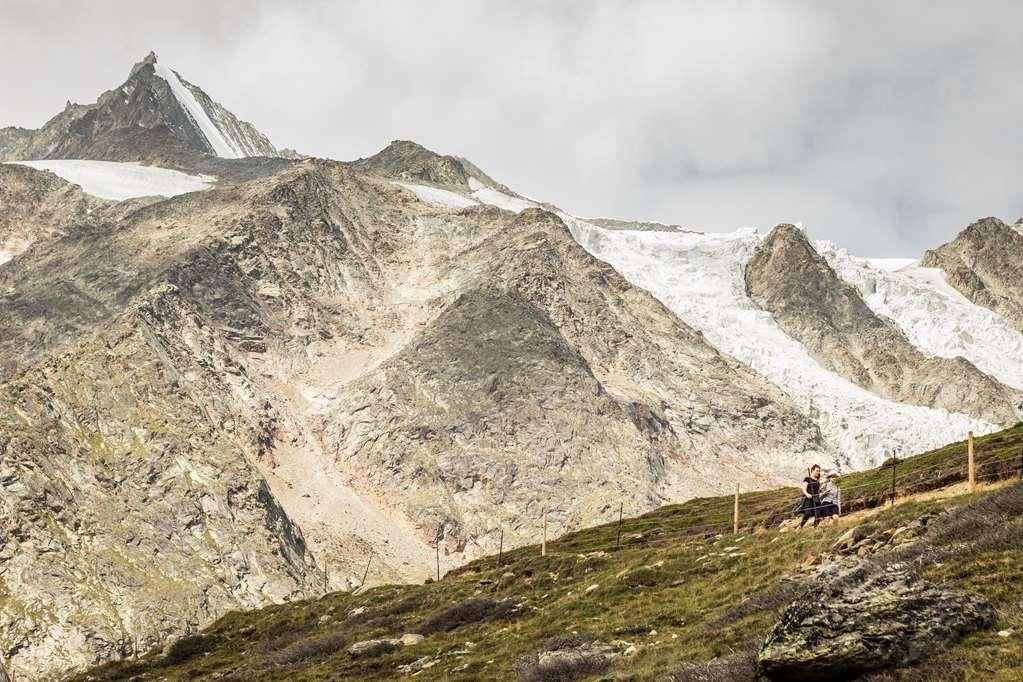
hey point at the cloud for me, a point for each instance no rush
(885, 127)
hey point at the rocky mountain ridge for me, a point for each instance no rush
(985, 263)
(154, 116)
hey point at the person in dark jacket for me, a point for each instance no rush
(810, 504)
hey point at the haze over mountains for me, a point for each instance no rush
(231, 378)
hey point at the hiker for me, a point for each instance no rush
(809, 505)
(831, 498)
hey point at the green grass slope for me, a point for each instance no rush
(681, 598)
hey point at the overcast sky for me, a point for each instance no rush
(884, 126)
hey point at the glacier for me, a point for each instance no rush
(936, 318)
(122, 180)
(701, 278)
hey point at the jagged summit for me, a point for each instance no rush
(985, 264)
(154, 116)
(412, 162)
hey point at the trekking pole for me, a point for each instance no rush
(970, 462)
(543, 545)
(735, 513)
(1021, 462)
(437, 548)
(500, 549)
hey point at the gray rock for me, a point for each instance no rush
(859, 617)
(411, 639)
(373, 647)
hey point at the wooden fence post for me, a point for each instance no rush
(735, 513)
(365, 573)
(621, 508)
(970, 463)
(894, 463)
(543, 545)
(1021, 463)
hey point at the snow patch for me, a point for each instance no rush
(120, 181)
(701, 278)
(489, 195)
(936, 318)
(195, 110)
(435, 195)
(891, 264)
(5, 256)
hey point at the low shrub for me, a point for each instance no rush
(469, 611)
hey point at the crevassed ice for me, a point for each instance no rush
(936, 318)
(701, 278)
(435, 195)
(121, 180)
(221, 146)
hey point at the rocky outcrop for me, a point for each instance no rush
(145, 119)
(788, 278)
(860, 618)
(641, 225)
(132, 507)
(411, 162)
(985, 263)
(36, 205)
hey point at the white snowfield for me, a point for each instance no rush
(220, 143)
(120, 181)
(700, 277)
(936, 318)
(435, 195)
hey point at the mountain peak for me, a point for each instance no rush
(154, 116)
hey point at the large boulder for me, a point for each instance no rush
(860, 617)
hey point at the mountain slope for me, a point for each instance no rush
(985, 263)
(675, 601)
(309, 332)
(787, 277)
(35, 205)
(154, 116)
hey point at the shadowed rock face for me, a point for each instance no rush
(788, 278)
(199, 391)
(141, 120)
(985, 263)
(859, 618)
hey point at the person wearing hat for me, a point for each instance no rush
(831, 498)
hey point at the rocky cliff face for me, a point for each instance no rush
(985, 263)
(787, 277)
(36, 205)
(315, 363)
(154, 116)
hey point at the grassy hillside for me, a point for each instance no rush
(681, 597)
